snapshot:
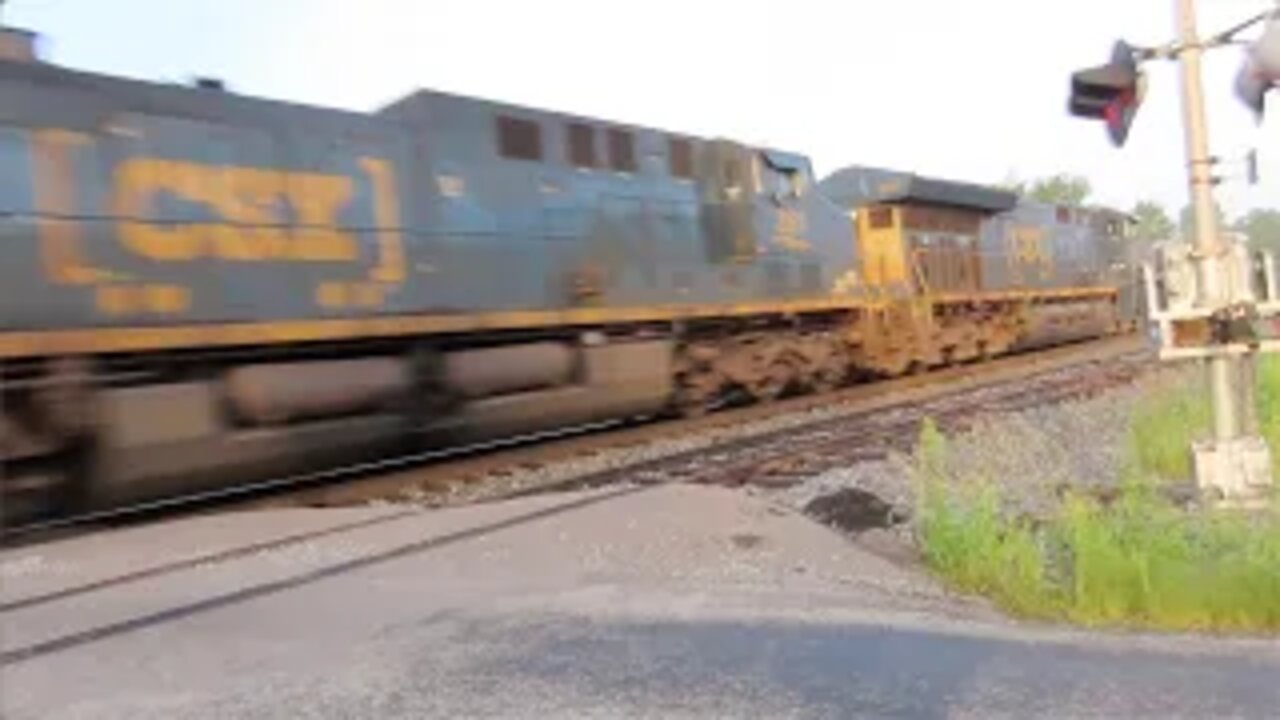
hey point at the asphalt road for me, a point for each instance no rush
(565, 666)
(650, 604)
(568, 667)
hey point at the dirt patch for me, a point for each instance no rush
(854, 511)
(746, 541)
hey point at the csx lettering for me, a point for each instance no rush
(249, 205)
(790, 227)
(1028, 244)
(791, 223)
(1029, 249)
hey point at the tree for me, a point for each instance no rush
(1152, 223)
(1262, 227)
(1013, 184)
(1061, 189)
(1186, 222)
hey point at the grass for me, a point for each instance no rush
(1269, 399)
(1161, 429)
(1138, 561)
(1165, 422)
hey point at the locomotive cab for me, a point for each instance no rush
(918, 236)
(921, 248)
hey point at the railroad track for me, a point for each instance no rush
(791, 455)
(858, 423)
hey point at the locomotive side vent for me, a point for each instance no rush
(208, 83)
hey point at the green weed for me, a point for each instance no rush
(1268, 400)
(1162, 427)
(1168, 419)
(1137, 560)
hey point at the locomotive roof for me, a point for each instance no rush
(102, 94)
(412, 105)
(857, 186)
(86, 100)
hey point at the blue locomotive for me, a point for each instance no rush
(202, 288)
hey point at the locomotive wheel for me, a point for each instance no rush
(696, 391)
(770, 384)
(67, 410)
(66, 404)
(74, 490)
(825, 379)
(698, 382)
(765, 372)
(49, 485)
(896, 364)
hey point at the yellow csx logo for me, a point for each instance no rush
(255, 215)
(251, 224)
(246, 203)
(1028, 247)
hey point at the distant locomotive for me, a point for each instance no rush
(201, 288)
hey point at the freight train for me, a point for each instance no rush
(199, 289)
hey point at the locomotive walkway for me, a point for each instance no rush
(639, 601)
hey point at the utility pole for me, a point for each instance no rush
(1224, 370)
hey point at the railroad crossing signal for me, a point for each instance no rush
(1111, 93)
(1260, 70)
(1236, 462)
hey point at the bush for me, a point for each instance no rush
(1137, 560)
(967, 538)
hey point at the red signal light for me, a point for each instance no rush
(1118, 115)
(1111, 93)
(1114, 111)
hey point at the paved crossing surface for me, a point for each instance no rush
(666, 602)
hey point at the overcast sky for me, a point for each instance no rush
(969, 89)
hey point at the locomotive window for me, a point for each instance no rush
(680, 157)
(1064, 214)
(582, 145)
(796, 183)
(519, 139)
(881, 218)
(622, 151)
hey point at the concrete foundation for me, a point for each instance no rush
(1239, 470)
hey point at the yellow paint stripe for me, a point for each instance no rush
(1058, 294)
(29, 343)
(390, 267)
(53, 169)
(135, 339)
